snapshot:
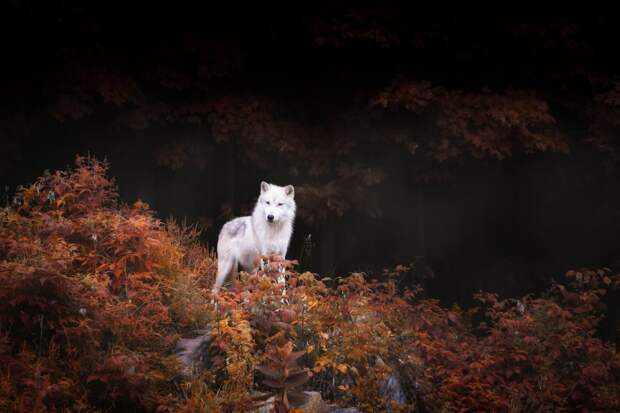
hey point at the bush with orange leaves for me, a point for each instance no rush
(95, 295)
(530, 354)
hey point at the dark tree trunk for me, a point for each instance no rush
(210, 208)
(421, 218)
(230, 175)
(144, 179)
(327, 247)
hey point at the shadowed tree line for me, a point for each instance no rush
(487, 145)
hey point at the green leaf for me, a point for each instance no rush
(269, 372)
(297, 379)
(273, 383)
(297, 398)
(292, 358)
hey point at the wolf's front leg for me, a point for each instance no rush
(283, 249)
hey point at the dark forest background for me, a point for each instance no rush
(480, 146)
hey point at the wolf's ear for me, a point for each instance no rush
(264, 187)
(290, 191)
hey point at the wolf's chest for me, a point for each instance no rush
(272, 244)
(261, 245)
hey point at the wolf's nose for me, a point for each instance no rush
(270, 218)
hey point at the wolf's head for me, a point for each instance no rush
(276, 204)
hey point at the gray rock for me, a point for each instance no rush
(265, 406)
(314, 404)
(393, 390)
(192, 351)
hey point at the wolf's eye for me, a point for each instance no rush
(268, 203)
(279, 203)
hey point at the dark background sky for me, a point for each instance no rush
(136, 84)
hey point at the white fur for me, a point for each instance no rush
(243, 239)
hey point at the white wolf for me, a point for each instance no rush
(266, 232)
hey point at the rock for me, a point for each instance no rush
(314, 404)
(393, 390)
(191, 351)
(390, 390)
(265, 406)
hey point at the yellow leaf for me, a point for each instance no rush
(342, 368)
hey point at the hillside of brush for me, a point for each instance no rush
(95, 296)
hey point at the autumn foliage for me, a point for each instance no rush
(95, 295)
